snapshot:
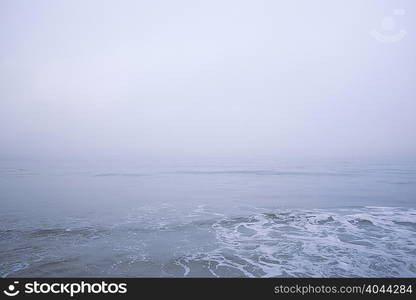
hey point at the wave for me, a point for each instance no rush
(119, 175)
(262, 242)
(269, 173)
(368, 242)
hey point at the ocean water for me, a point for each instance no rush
(242, 219)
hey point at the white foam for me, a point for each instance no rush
(373, 242)
(15, 268)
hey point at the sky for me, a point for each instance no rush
(136, 79)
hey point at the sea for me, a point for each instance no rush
(272, 218)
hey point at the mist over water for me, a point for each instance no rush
(280, 218)
(207, 138)
(206, 79)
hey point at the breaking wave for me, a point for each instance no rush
(366, 242)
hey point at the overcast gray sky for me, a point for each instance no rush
(211, 78)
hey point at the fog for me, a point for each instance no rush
(216, 79)
(215, 138)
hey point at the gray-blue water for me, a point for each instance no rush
(256, 219)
